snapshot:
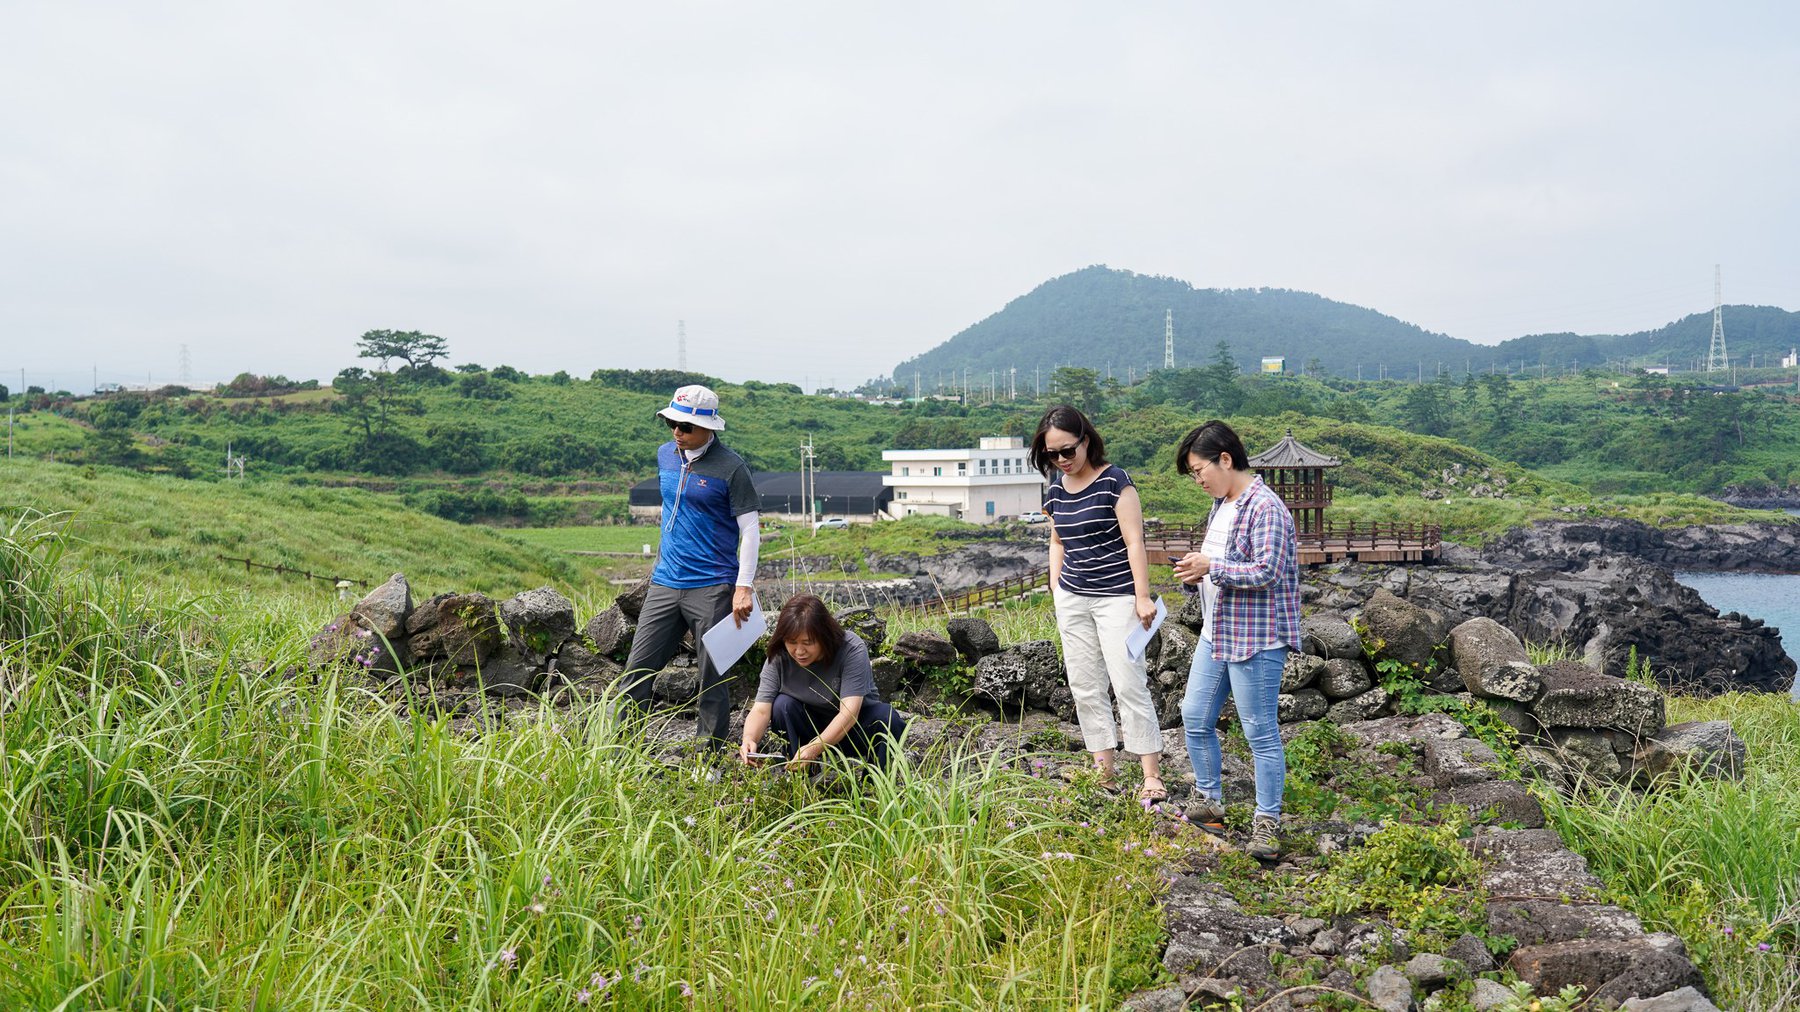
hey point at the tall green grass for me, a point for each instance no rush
(185, 828)
(1715, 861)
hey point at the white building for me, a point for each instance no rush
(980, 485)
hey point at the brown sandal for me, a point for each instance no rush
(1153, 794)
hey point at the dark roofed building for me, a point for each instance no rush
(854, 495)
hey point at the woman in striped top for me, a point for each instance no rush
(1100, 581)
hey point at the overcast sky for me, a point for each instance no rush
(821, 190)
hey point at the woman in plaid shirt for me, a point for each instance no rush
(1249, 577)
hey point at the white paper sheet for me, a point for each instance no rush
(726, 641)
(1139, 637)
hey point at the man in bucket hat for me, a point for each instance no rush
(707, 564)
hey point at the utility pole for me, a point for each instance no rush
(1168, 339)
(806, 479)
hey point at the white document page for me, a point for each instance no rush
(726, 641)
(1139, 637)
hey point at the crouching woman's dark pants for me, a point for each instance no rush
(878, 725)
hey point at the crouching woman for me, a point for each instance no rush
(818, 691)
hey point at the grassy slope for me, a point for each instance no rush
(168, 532)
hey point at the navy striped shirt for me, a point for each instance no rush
(1087, 524)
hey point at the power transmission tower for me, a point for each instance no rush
(187, 367)
(681, 345)
(1168, 339)
(1716, 358)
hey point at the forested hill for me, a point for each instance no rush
(1103, 318)
(1106, 319)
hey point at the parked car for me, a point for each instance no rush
(831, 523)
(1032, 517)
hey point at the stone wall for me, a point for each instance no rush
(1576, 721)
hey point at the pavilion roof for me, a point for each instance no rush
(1290, 452)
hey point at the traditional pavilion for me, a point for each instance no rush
(1297, 473)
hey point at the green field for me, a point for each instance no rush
(589, 539)
(171, 534)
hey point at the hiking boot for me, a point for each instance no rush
(1263, 845)
(1206, 814)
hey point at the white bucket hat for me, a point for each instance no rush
(695, 404)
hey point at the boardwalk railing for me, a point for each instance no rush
(1337, 540)
(1374, 535)
(992, 593)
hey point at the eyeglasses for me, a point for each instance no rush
(682, 427)
(1198, 471)
(1067, 452)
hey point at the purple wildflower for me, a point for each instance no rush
(598, 981)
(509, 958)
(582, 996)
(686, 991)
(1763, 947)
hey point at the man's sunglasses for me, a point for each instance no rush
(682, 427)
(1066, 453)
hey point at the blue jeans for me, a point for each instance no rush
(1254, 683)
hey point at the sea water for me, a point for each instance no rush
(1772, 597)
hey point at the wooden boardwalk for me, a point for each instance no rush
(1358, 542)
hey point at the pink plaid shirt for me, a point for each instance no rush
(1258, 579)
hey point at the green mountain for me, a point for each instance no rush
(1113, 320)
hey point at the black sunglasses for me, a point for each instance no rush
(1067, 452)
(682, 427)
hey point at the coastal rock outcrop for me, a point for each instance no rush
(1770, 547)
(1609, 609)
